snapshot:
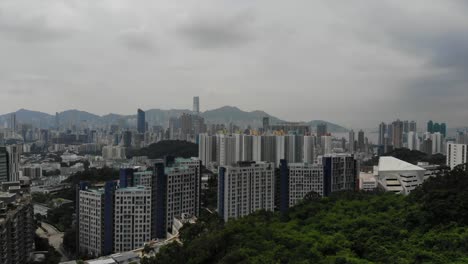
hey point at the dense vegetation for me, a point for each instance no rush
(428, 226)
(411, 156)
(94, 175)
(176, 148)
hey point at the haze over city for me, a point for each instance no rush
(353, 63)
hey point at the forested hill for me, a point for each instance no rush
(176, 148)
(429, 226)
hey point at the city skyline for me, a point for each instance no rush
(314, 54)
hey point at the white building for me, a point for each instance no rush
(436, 143)
(303, 179)
(456, 154)
(309, 149)
(132, 218)
(113, 153)
(398, 176)
(207, 149)
(91, 219)
(244, 188)
(367, 182)
(326, 144)
(176, 191)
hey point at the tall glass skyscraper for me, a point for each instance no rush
(141, 123)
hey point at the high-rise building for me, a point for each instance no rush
(430, 126)
(266, 123)
(436, 143)
(244, 188)
(207, 149)
(361, 142)
(340, 171)
(95, 215)
(412, 143)
(298, 180)
(196, 105)
(14, 153)
(132, 218)
(17, 228)
(57, 121)
(175, 191)
(227, 150)
(326, 144)
(351, 140)
(406, 126)
(13, 125)
(412, 126)
(127, 138)
(309, 149)
(4, 165)
(321, 130)
(457, 154)
(443, 129)
(382, 131)
(397, 134)
(141, 121)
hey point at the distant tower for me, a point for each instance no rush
(430, 126)
(412, 126)
(361, 141)
(13, 122)
(141, 123)
(57, 121)
(196, 105)
(443, 129)
(351, 140)
(382, 132)
(266, 123)
(321, 129)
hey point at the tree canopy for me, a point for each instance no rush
(428, 226)
(176, 148)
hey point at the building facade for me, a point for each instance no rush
(244, 188)
(457, 154)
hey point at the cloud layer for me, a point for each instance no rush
(354, 63)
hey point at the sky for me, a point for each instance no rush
(354, 63)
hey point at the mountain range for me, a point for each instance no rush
(222, 115)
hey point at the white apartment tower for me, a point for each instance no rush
(245, 188)
(132, 218)
(456, 154)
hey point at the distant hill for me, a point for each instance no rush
(232, 114)
(222, 115)
(330, 126)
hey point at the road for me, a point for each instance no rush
(54, 236)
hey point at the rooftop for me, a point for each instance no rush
(394, 164)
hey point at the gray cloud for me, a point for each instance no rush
(137, 39)
(213, 31)
(352, 62)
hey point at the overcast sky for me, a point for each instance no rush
(350, 62)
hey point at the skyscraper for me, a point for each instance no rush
(141, 122)
(361, 142)
(266, 123)
(351, 140)
(397, 133)
(321, 129)
(13, 125)
(412, 126)
(382, 131)
(430, 126)
(4, 165)
(443, 129)
(196, 105)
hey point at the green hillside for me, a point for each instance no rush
(429, 226)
